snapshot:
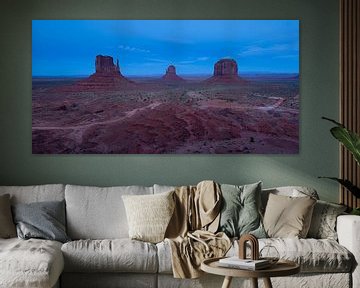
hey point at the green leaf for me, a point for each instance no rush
(333, 121)
(347, 184)
(355, 211)
(349, 139)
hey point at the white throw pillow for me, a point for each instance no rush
(149, 215)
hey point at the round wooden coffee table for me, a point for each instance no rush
(281, 268)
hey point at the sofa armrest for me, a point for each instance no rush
(348, 230)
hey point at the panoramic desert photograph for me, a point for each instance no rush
(165, 86)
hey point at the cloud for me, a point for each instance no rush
(157, 60)
(174, 62)
(133, 49)
(187, 62)
(287, 56)
(202, 58)
(191, 61)
(260, 50)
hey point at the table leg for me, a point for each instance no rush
(227, 282)
(254, 282)
(267, 283)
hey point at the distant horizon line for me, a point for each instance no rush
(160, 75)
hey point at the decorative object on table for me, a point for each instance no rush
(241, 261)
(247, 264)
(254, 246)
(254, 268)
(165, 87)
(270, 253)
(281, 269)
(351, 142)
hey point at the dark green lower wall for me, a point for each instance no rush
(319, 96)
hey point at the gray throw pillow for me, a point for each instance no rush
(323, 222)
(44, 220)
(240, 213)
(7, 227)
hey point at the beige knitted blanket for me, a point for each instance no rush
(191, 231)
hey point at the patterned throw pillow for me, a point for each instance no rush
(7, 226)
(149, 215)
(288, 217)
(240, 213)
(323, 223)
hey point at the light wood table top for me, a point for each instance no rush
(281, 268)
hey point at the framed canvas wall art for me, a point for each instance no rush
(165, 86)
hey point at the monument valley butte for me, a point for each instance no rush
(108, 113)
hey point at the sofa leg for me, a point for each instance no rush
(267, 282)
(227, 282)
(254, 282)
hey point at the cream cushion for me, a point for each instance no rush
(313, 255)
(287, 216)
(109, 280)
(30, 263)
(110, 255)
(149, 215)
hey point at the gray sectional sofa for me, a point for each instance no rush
(101, 254)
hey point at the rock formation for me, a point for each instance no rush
(226, 67)
(171, 76)
(225, 71)
(107, 77)
(105, 64)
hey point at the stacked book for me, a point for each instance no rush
(248, 264)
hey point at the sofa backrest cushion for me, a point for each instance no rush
(163, 188)
(288, 217)
(98, 212)
(36, 193)
(292, 191)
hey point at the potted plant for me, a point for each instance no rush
(351, 141)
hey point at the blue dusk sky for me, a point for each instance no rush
(147, 47)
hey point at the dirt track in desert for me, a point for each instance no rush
(259, 116)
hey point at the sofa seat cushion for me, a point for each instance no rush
(115, 255)
(313, 255)
(30, 263)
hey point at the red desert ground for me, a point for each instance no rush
(110, 113)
